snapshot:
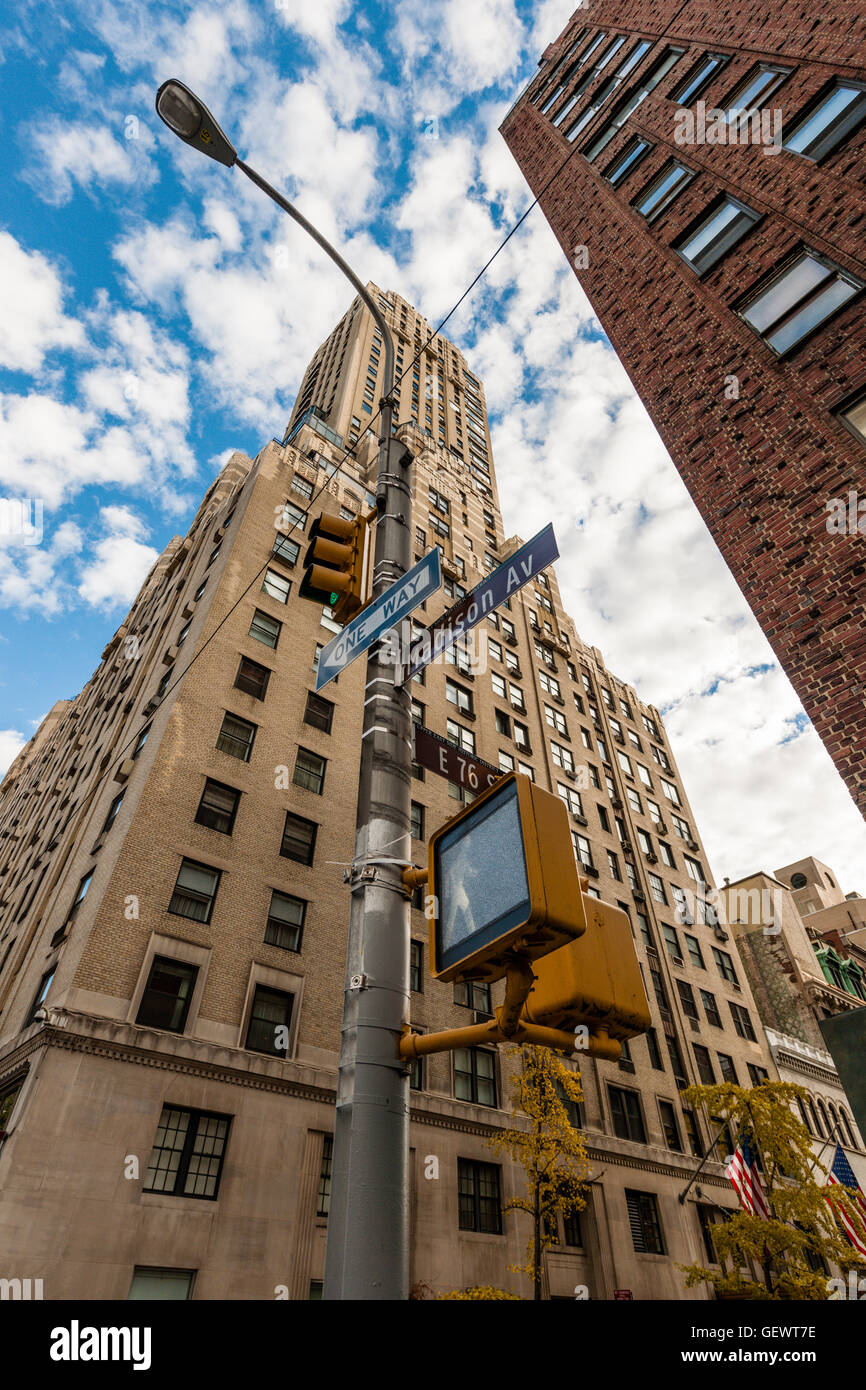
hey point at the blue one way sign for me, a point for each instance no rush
(407, 593)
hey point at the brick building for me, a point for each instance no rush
(702, 167)
(172, 850)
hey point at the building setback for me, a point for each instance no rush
(725, 263)
(172, 851)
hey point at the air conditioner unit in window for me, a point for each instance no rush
(512, 641)
(188, 608)
(581, 820)
(124, 770)
(569, 773)
(695, 1025)
(626, 847)
(590, 869)
(152, 704)
(661, 827)
(677, 960)
(559, 700)
(652, 859)
(719, 932)
(616, 803)
(639, 895)
(619, 738)
(693, 844)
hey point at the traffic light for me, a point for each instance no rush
(595, 981)
(334, 564)
(503, 879)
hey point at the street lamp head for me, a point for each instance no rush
(189, 118)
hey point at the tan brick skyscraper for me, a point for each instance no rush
(172, 851)
(702, 167)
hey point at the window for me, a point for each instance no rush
(503, 723)
(194, 891)
(460, 737)
(167, 995)
(562, 757)
(327, 620)
(318, 713)
(625, 763)
(286, 550)
(506, 762)
(661, 191)
(839, 110)
(276, 586)
(634, 800)
(716, 234)
(757, 1075)
(755, 91)
(417, 820)
(670, 1128)
(645, 841)
(214, 555)
(704, 1064)
(498, 685)
(571, 798)
(456, 695)
(724, 965)
(687, 999)
(707, 1219)
(140, 742)
(700, 75)
(309, 771)
(655, 1055)
(416, 966)
(285, 921)
(550, 684)
(613, 865)
(323, 1199)
(42, 991)
(265, 628)
(270, 1017)
(742, 1022)
(515, 694)
(643, 774)
(798, 299)
(218, 806)
(727, 1068)
(657, 888)
(626, 1112)
(677, 1063)
(438, 525)
(302, 485)
(667, 855)
(480, 1205)
(694, 949)
(556, 719)
(582, 850)
(473, 995)
(643, 1218)
(236, 737)
(81, 894)
(475, 1075)
(299, 839)
(693, 1134)
(672, 943)
(669, 790)
(187, 1155)
(111, 817)
(636, 150)
(162, 1284)
(252, 678)
(632, 101)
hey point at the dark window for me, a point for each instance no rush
(687, 999)
(480, 1204)
(707, 1218)
(716, 234)
(285, 921)
(655, 1055)
(236, 737)
(693, 1134)
(270, 1017)
(318, 712)
(187, 1155)
(416, 966)
(8, 1098)
(627, 1117)
(218, 807)
(670, 1127)
(474, 995)
(265, 628)
(80, 895)
(636, 150)
(299, 839)
(286, 550)
(694, 949)
(167, 994)
(417, 820)
(797, 299)
(309, 771)
(705, 1064)
(571, 1229)
(252, 678)
(724, 965)
(643, 1218)
(475, 1075)
(742, 1022)
(194, 891)
(662, 190)
(323, 1202)
(757, 1075)
(140, 742)
(711, 1008)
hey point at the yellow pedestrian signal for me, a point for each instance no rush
(334, 564)
(594, 981)
(503, 879)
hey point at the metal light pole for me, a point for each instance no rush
(368, 1223)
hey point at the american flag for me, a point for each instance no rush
(742, 1172)
(843, 1174)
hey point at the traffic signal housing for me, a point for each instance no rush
(335, 564)
(503, 880)
(594, 981)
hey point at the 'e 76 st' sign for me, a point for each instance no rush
(437, 755)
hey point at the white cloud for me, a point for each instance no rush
(67, 154)
(121, 561)
(33, 318)
(11, 743)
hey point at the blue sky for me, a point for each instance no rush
(158, 313)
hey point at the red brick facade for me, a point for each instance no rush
(756, 435)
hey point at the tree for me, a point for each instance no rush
(551, 1151)
(802, 1230)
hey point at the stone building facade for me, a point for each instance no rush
(702, 169)
(173, 844)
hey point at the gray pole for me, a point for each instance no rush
(368, 1222)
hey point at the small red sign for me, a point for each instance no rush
(623, 1293)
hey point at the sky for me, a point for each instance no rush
(158, 312)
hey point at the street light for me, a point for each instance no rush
(368, 1222)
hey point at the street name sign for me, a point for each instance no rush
(437, 755)
(416, 585)
(498, 585)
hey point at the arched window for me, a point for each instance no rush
(803, 1115)
(816, 1124)
(828, 1129)
(846, 1125)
